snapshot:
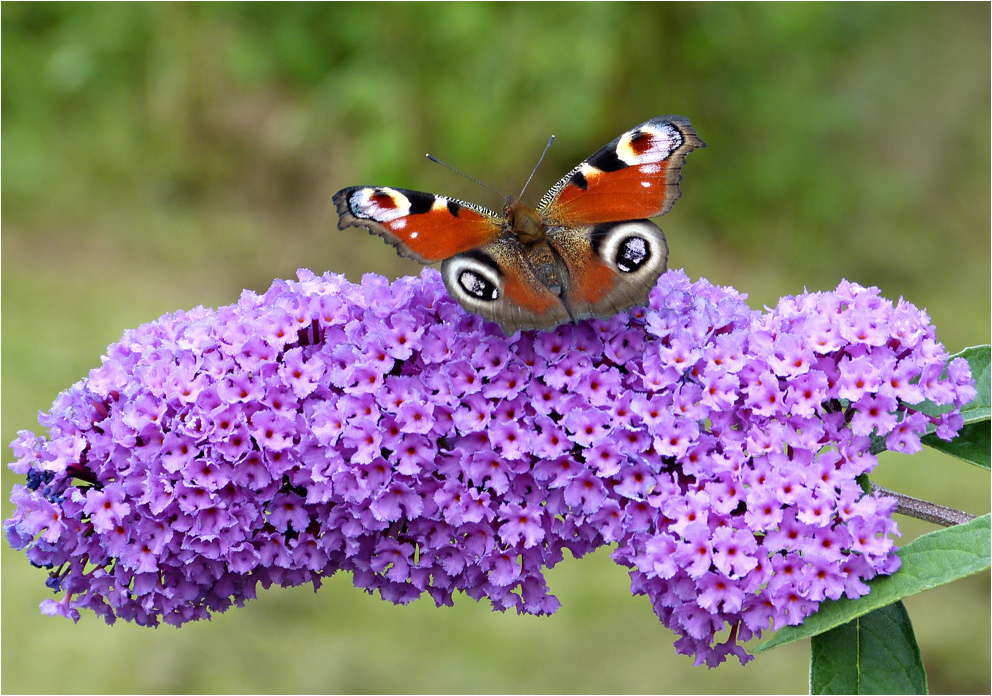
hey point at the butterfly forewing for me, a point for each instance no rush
(422, 226)
(635, 176)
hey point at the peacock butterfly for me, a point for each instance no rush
(585, 251)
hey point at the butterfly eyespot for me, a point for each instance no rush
(632, 252)
(648, 144)
(477, 286)
(473, 279)
(632, 247)
(382, 204)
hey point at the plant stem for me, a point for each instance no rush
(925, 510)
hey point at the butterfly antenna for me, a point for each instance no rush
(432, 158)
(551, 140)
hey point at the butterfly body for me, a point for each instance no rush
(587, 249)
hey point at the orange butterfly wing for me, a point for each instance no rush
(635, 176)
(422, 226)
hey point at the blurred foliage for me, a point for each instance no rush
(158, 156)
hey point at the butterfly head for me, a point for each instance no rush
(524, 222)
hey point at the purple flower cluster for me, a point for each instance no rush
(380, 430)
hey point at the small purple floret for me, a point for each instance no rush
(380, 430)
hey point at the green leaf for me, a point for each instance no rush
(872, 654)
(931, 560)
(974, 443)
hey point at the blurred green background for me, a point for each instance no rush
(157, 157)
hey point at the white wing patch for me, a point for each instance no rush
(363, 204)
(662, 142)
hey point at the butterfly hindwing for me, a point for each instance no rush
(498, 283)
(611, 266)
(422, 226)
(635, 176)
